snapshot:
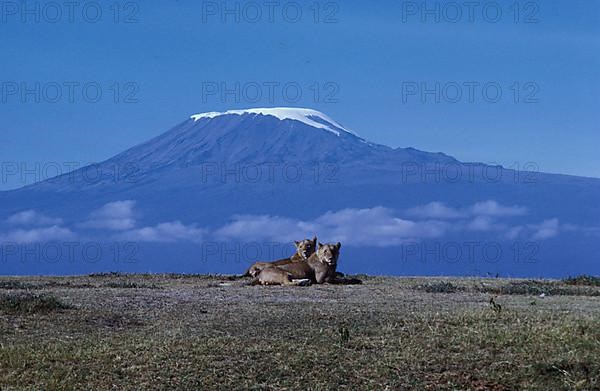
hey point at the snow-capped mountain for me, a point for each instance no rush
(256, 136)
(274, 175)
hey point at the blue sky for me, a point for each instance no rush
(364, 66)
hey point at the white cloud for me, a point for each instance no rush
(47, 228)
(438, 210)
(545, 230)
(514, 232)
(165, 232)
(373, 226)
(593, 231)
(32, 217)
(264, 227)
(492, 208)
(479, 217)
(117, 216)
(120, 216)
(376, 226)
(37, 235)
(435, 210)
(380, 226)
(482, 224)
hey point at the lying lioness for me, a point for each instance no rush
(304, 249)
(276, 276)
(319, 268)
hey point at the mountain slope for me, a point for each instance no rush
(295, 172)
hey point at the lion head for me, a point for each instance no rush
(306, 247)
(328, 254)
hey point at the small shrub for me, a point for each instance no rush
(105, 275)
(114, 321)
(528, 288)
(129, 285)
(14, 284)
(536, 288)
(583, 279)
(68, 284)
(30, 304)
(18, 285)
(344, 336)
(438, 287)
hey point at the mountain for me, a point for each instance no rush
(222, 189)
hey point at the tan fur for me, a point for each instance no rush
(276, 276)
(319, 268)
(304, 249)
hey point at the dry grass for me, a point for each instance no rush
(26, 304)
(583, 280)
(567, 287)
(203, 332)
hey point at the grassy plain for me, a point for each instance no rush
(160, 332)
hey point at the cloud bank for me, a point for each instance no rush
(32, 218)
(377, 226)
(116, 216)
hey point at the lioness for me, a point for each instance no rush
(276, 276)
(304, 249)
(319, 268)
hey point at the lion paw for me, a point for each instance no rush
(303, 282)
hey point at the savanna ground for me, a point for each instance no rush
(146, 332)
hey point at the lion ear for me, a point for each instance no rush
(338, 245)
(320, 244)
(297, 243)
